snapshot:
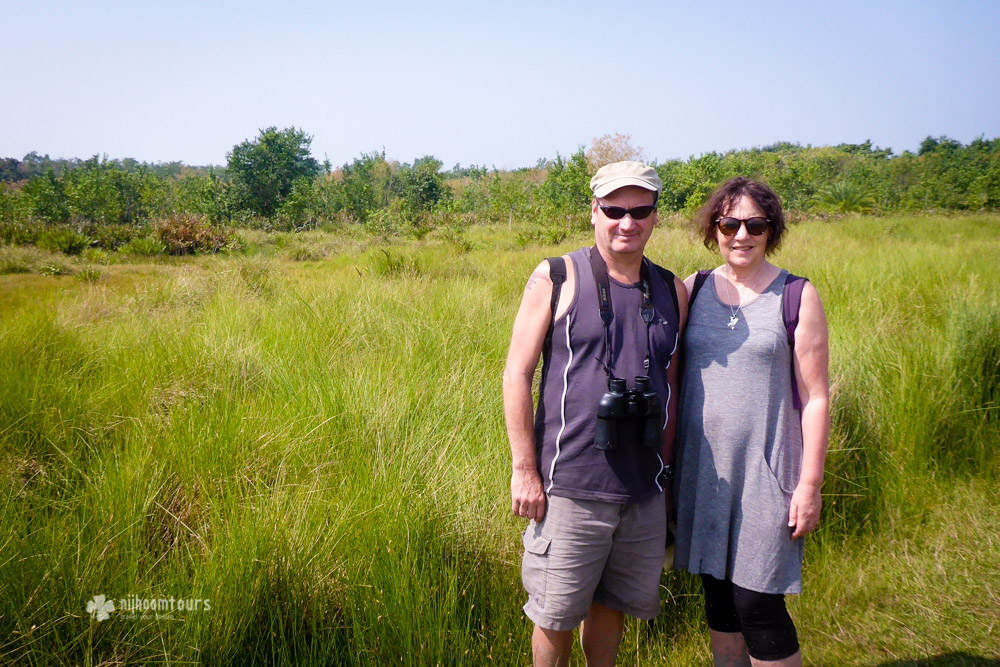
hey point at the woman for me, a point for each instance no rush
(753, 431)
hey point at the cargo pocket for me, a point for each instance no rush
(535, 565)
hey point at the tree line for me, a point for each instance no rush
(273, 181)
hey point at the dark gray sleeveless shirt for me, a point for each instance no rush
(739, 445)
(573, 381)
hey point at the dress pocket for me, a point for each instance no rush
(785, 466)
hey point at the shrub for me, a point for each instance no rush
(236, 243)
(20, 232)
(306, 253)
(15, 260)
(385, 222)
(419, 227)
(258, 278)
(112, 237)
(97, 256)
(52, 268)
(387, 265)
(845, 197)
(549, 235)
(62, 240)
(185, 234)
(145, 247)
(88, 275)
(455, 235)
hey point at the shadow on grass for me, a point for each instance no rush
(960, 659)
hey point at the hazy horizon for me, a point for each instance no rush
(499, 86)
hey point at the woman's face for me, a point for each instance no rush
(743, 250)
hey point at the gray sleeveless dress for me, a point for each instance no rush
(740, 445)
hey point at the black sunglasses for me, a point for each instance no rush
(755, 226)
(617, 212)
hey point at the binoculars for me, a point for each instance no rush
(619, 405)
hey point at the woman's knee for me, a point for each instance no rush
(766, 625)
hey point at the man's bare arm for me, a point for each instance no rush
(528, 335)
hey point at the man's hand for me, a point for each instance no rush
(526, 494)
(803, 514)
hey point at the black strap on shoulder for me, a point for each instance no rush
(557, 273)
(668, 278)
(699, 281)
(603, 284)
(791, 299)
(600, 270)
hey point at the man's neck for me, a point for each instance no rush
(621, 267)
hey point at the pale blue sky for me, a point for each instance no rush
(497, 84)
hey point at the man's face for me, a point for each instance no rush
(626, 236)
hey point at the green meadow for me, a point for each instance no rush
(306, 437)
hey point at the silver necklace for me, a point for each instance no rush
(733, 320)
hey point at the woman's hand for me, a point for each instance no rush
(803, 514)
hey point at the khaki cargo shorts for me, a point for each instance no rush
(587, 551)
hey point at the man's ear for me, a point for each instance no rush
(593, 211)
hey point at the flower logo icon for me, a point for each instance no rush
(100, 607)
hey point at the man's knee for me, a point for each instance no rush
(601, 634)
(551, 647)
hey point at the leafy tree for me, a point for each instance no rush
(204, 194)
(264, 170)
(101, 191)
(47, 197)
(8, 169)
(302, 206)
(422, 185)
(939, 144)
(366, 185)
(567, 186)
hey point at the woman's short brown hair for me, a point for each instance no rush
(725, 197)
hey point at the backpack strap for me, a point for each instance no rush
(668, 278)
(699, 281)
(791, 299)
(557, 273)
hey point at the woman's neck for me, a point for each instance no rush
(747, 275)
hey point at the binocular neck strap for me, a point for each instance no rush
(603, 284)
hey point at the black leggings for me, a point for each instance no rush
(761, 617)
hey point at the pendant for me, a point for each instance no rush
(732, 322)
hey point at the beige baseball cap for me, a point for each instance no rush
(616, 175)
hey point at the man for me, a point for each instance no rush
(595, 546)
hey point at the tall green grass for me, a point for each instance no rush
(318, 449)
